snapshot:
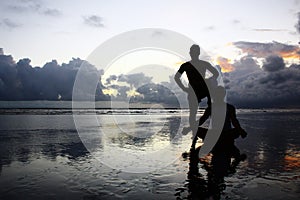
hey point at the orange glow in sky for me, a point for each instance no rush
(225, 64)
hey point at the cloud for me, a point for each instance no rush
(110, 79)
(235, 21)
(157, 93)
(123, 83)
(268, 30)
(138, 79)
(272, 85)
(20, 81)
(10, 24)
(25, 6)
(144, 90)
(262, 50)
(210, 28)
(52, 12)
(225, 64)
(33, 6)
(297, 26)
(94, 21)
(273, 63)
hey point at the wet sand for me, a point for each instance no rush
(42, 157)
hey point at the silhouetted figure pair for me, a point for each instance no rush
(197, 89)
(225, 149)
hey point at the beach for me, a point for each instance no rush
(43, 157)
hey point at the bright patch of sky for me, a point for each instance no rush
(59, 29)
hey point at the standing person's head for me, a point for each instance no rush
(195, 51)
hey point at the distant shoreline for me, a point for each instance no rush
(107, 105)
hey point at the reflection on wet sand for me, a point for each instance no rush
(211, 184)
(45, 159)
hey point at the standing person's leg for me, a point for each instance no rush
(193, 106)
(201, 133)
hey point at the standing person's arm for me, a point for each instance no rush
(178, 81)
(213, 70)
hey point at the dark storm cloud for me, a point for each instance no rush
(20, 81)
(273, 63)
(273, 85)
(248, 85)
(94, 21)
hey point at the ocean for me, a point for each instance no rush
(42, 156)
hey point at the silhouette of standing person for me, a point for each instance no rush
(197, 89)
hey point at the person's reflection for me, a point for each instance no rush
(217, 167)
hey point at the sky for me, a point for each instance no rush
(59, 29)
(250, 39)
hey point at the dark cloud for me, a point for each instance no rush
(248, 85)
(93, 20)
(20, 81)
(273, 63)
(273, 85)
(157, 93)
(297, 26)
